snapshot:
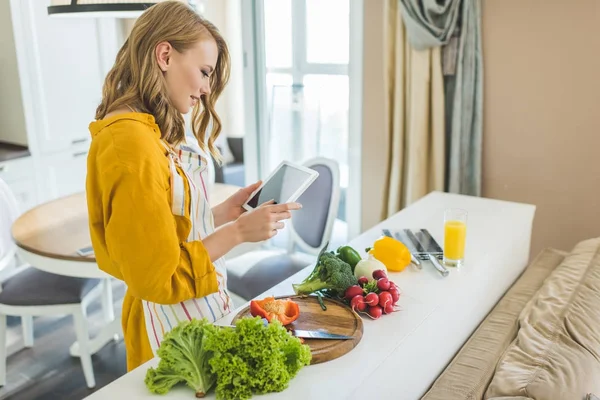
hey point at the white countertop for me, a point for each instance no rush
(401, 354)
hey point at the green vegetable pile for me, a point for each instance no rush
(249, 359)
(331, 277)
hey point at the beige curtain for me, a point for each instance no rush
(415, 117)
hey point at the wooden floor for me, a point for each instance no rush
(47, 371)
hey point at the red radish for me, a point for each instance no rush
(363, 280)
(358, 303)
(383, 284)
(375, 312)
(379, 273)
(385, 298)
(352, 291)
(372, 299)
(389, 308)
(395, 294)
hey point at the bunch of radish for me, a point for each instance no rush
(374, 297)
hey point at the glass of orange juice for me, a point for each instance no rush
(455, 234)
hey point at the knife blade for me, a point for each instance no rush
(309, 334)
(436, 247)
(416, 243)
(437, 265)
(320, 334)
(429, 243)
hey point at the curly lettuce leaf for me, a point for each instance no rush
(161, 379)
(184, 358)
(253, 358)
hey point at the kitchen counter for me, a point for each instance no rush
(10, 151)
(401, 354)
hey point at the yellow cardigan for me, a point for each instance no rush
(136, 237)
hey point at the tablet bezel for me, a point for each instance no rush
(313, 175)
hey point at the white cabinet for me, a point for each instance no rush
(65, 71)
(63, 173)
(61, 64)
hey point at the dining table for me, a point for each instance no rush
(49, 236)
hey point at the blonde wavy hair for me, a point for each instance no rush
(137, 81)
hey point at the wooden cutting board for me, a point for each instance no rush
(338, 318)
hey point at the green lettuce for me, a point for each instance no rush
(252, 358)
(184, 358)
(255, 358)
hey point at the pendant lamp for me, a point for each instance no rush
(103, 8)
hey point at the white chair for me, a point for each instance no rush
(255, 272)
(31, 292)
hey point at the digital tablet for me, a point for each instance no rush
(284, 185)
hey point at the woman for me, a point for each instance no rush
(150, 220)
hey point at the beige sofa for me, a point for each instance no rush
(541, 341)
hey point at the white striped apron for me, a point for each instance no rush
(161, 318)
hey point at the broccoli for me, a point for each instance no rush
(330, 275)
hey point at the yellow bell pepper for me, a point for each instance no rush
(391, 252)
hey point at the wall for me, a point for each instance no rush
(541, 119)
(374, 136)
(12, 119)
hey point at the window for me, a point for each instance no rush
(306, 53)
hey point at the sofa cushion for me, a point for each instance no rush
(556, 354)
(512, 398)
(471, 370)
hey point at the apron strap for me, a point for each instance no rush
(177, 184)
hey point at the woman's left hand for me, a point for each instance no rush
(231, 209)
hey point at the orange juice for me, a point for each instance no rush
(455, 233)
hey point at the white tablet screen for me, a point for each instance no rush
(284, 183)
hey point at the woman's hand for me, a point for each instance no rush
(231, 209)
(263, 222)
(257, 225)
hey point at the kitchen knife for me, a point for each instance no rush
(441, 269)
(430, 243)
(310, 334)
(413, 259)
(320, 334)
(418, 247)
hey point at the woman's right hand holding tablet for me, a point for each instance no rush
(264, 222)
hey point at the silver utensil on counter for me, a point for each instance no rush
(424, 254)
(429, 243)
(319, 334)
(309, 334)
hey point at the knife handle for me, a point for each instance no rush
(441, 269)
